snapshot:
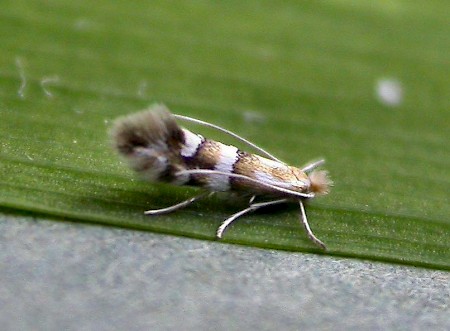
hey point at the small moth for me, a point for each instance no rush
(157, 148)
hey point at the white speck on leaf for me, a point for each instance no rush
(83, 24)
(142, 89)
(253, 117)
(48, 80)
(23, 79)
(389, 92)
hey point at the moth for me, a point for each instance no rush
(160, 150)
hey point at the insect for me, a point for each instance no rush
(160, 150)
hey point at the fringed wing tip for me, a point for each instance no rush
(142, 129)
(320, 182)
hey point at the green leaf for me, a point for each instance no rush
(298, 78)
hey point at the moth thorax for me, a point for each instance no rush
(302, 182)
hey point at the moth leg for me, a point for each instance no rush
(310, 167)
(251, 208)
(178, 205)
(309, 232)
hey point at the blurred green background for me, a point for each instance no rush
(364, 84)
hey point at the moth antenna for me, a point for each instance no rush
(234, 135)
(249, 179)
(310, 167)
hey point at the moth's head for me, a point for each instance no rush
(320, 182)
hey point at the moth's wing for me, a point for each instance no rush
(230, 133)
(150, 141)
(257, 182)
